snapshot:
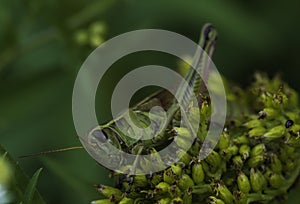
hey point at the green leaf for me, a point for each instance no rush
(19, 180)
(31, 188)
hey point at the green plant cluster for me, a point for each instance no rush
(255, 160)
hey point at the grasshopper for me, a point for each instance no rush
(164, 132)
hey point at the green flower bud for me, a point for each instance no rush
(162, 187)
(185, 182)
(276, 180)
(286, 152)
(237, 161)
(224, 141)
(174, 191)
(259, 149)
(275, 133)
(214, 160)
(177, 170)
(110, 192)
(140, 180)
(244, 151)
(294, 141)
(257, 132)
(184, 157)
(126, 200)
(177, 200)
(276, 165)
(257, 180)
(253, 124)
(241, 140)
(229, 152)
(187, 197)
(214, 200)
(289, 165)
(198, 173)
(103, 201)
(269, 113)
(240, 197)
(169, 177)
(225, 194)
(164, 201)
(256, 161)
(195, 148)
(243, 183)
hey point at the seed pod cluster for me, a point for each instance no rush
(256, 159)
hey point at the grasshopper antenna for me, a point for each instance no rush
(51, 151)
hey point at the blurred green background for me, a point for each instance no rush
(44, 43)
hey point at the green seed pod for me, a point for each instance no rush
(275, 133)
(140, 180)
(276, 180)
(241, 140)
(103, 201)
(269, 113)
(184, 157)
(174, 191)
(214, 200)
(253, 124)
(214, 160)
(126, 200)
(244, 151)
(255, 161)
(257, 180)
(177, 170)
(177, 200)
(164, 201)
(240, 197)
(162, 187)
(243, 183)
(185, 182)
(294, 141)
(224, 141)
(110, 192)
(289, 165)
(195, 148)
(259, 149)
(237, 161)
(198, 173)
(187, 197)
(169, 177)
(257, 132)
(229, 152)
(276, 165)
(295, 129)
(225, 194)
